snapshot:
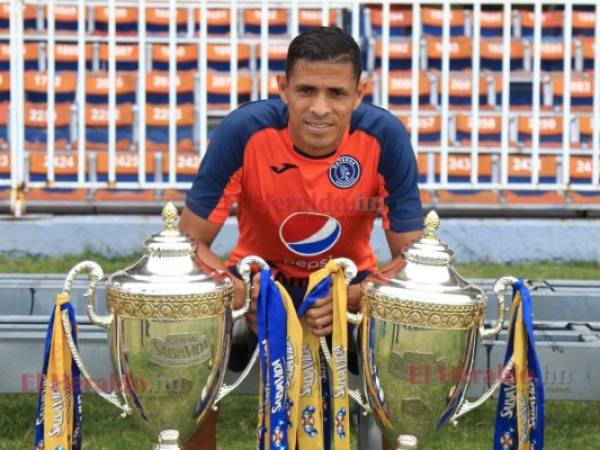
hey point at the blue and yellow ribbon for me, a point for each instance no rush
(520, 413)
(58, 414)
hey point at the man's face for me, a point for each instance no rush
(320, 96)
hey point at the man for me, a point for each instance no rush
(309, 173)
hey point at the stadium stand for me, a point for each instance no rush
(218, 21)
(65, 169)
(126, 20)
(126, 57)
(97, 123)
(36, 126)
(520, 170)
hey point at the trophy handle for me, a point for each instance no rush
(95, 274)
(350, 271)
(499, 287)
(244, 268)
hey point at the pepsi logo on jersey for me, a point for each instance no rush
(309, 233)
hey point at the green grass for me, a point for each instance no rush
(569, 425)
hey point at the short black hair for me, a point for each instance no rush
(324, 44)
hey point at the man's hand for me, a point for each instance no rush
(319, 316)
(251, 314)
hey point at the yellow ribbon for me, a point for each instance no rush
(521, 371)
(58, 393)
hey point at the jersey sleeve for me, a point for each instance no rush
(398, 177)
(218, 182)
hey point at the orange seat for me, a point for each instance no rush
(219, 21)
(459, 54)
(219, 56)
(552, 23)
(66, 18)
(4, 171)
(552, 55)
(310, 18)
(126, 57)
(423, 168)
(585, 130)
(490, 130)
(97, 122)
(277, 54)
(584, 23)
(186, 166)
(585, 56)
(97, 88)
(582, 91)
(158, 87)
(491, 54)
(126, 20)
(277, 21)
(459, 171)
(126, 168)
(551, 131)
(157, 20)
(4, 87)
(66, 57)
(219, 86)
(186, 57)
(36, 87)
(432, 21)
(29, 15)
(580, 172)
(430, 127)
(460, 89)
(157, 123)
(65, 169)
(400, 20)
(520, 170)
(273, 87)
(399, 53)
(31, 56)
(3, 121)
(400, 88)
(491, 23)
(36, 125)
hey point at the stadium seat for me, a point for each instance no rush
(400, 54)
(584, 23)
(400, 21)
(36, 87)
(459, 171)
(219, 56)
(66, 57)
(4, 87)
(157, 20)
(310, 18)
(585, 130)
(31, 56)
(157, 131)
(490, 130)
(29, 16)
(65, 18)
(96, 127)
(277, 55)
(582, 91)
(401, 88)
(4, 111)
(368, 96)
(460, 52)
(272, 88)
(580, 172)
(158, 86)
(186, 57)
(219, 87)
(584, 53)
(277, 20)
(460, 89)
(491, 23)
(4, 170)
(430, 127)
(491, 54)
(432, 21)
(423, 166)
(551, 55)
(552, 23)
(520, 169)
(219, 21)
(96, 88)
(126, 168)
(36, 123)
(65, 169)
(551, 131)
(126, 57)
(126, 20)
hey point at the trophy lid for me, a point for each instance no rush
(425, 275)
(169, 266)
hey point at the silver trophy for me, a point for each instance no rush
(419, 329)
(169, 325)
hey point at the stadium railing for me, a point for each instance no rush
(125, 92)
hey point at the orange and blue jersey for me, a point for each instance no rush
(298, 211)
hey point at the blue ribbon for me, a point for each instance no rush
(272, 335)
(506, 432)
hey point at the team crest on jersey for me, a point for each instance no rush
(309, 234)
(344, 172)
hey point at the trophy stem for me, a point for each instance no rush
(407, 442)
(168, 440)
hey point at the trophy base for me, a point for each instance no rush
(168, 440)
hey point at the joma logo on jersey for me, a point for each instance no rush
(309, 234)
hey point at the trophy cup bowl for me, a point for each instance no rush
(420, 326)
(169, 327)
